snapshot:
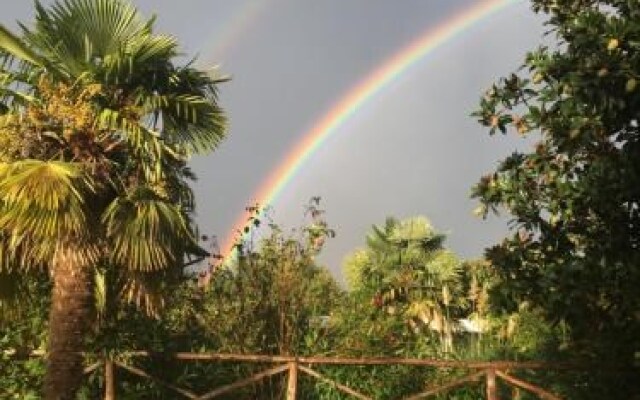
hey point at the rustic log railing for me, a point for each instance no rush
(488, 371)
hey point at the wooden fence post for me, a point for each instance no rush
(492, 389)
(109, 380)
(292, 384)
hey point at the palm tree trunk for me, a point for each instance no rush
(69, 318)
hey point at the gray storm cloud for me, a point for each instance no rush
(413, 149)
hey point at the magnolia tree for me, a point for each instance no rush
(574, 197)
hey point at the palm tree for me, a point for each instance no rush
(101, 121)
(407, 267)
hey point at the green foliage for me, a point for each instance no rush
(275, 300)
(410, 297)
(406, 292)
(22, 330)
(574, 198)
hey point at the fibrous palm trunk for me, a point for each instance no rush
(69, 318)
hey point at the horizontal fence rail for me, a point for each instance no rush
(258, 358)
(489, 372)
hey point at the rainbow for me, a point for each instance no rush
(355, 98)
(231, 32)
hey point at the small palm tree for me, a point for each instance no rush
(98, 122)
(410, 271)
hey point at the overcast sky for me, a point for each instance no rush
(412, 150)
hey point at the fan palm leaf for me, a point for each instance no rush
(44, 198)
(15, 47)
(146, 231)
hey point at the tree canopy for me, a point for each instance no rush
(574, 197)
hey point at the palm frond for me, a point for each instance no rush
(79, 35)
(44, 200)
(146, 232)
(106, 23)
(117, 287)
(143, 142)
(142, 290)
(194, 123)
(445, 267)
(186, 101)
(14, 98)
(432, 243)
(23, 253)
(378, 239)
(101, 294)
(14, 46)
(147, 49)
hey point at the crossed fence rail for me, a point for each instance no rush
(489, 372)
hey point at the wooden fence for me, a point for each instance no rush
(478, 371)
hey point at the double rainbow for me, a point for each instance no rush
(357, 97)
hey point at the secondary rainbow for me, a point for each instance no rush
(235, 26)
(356, 97)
